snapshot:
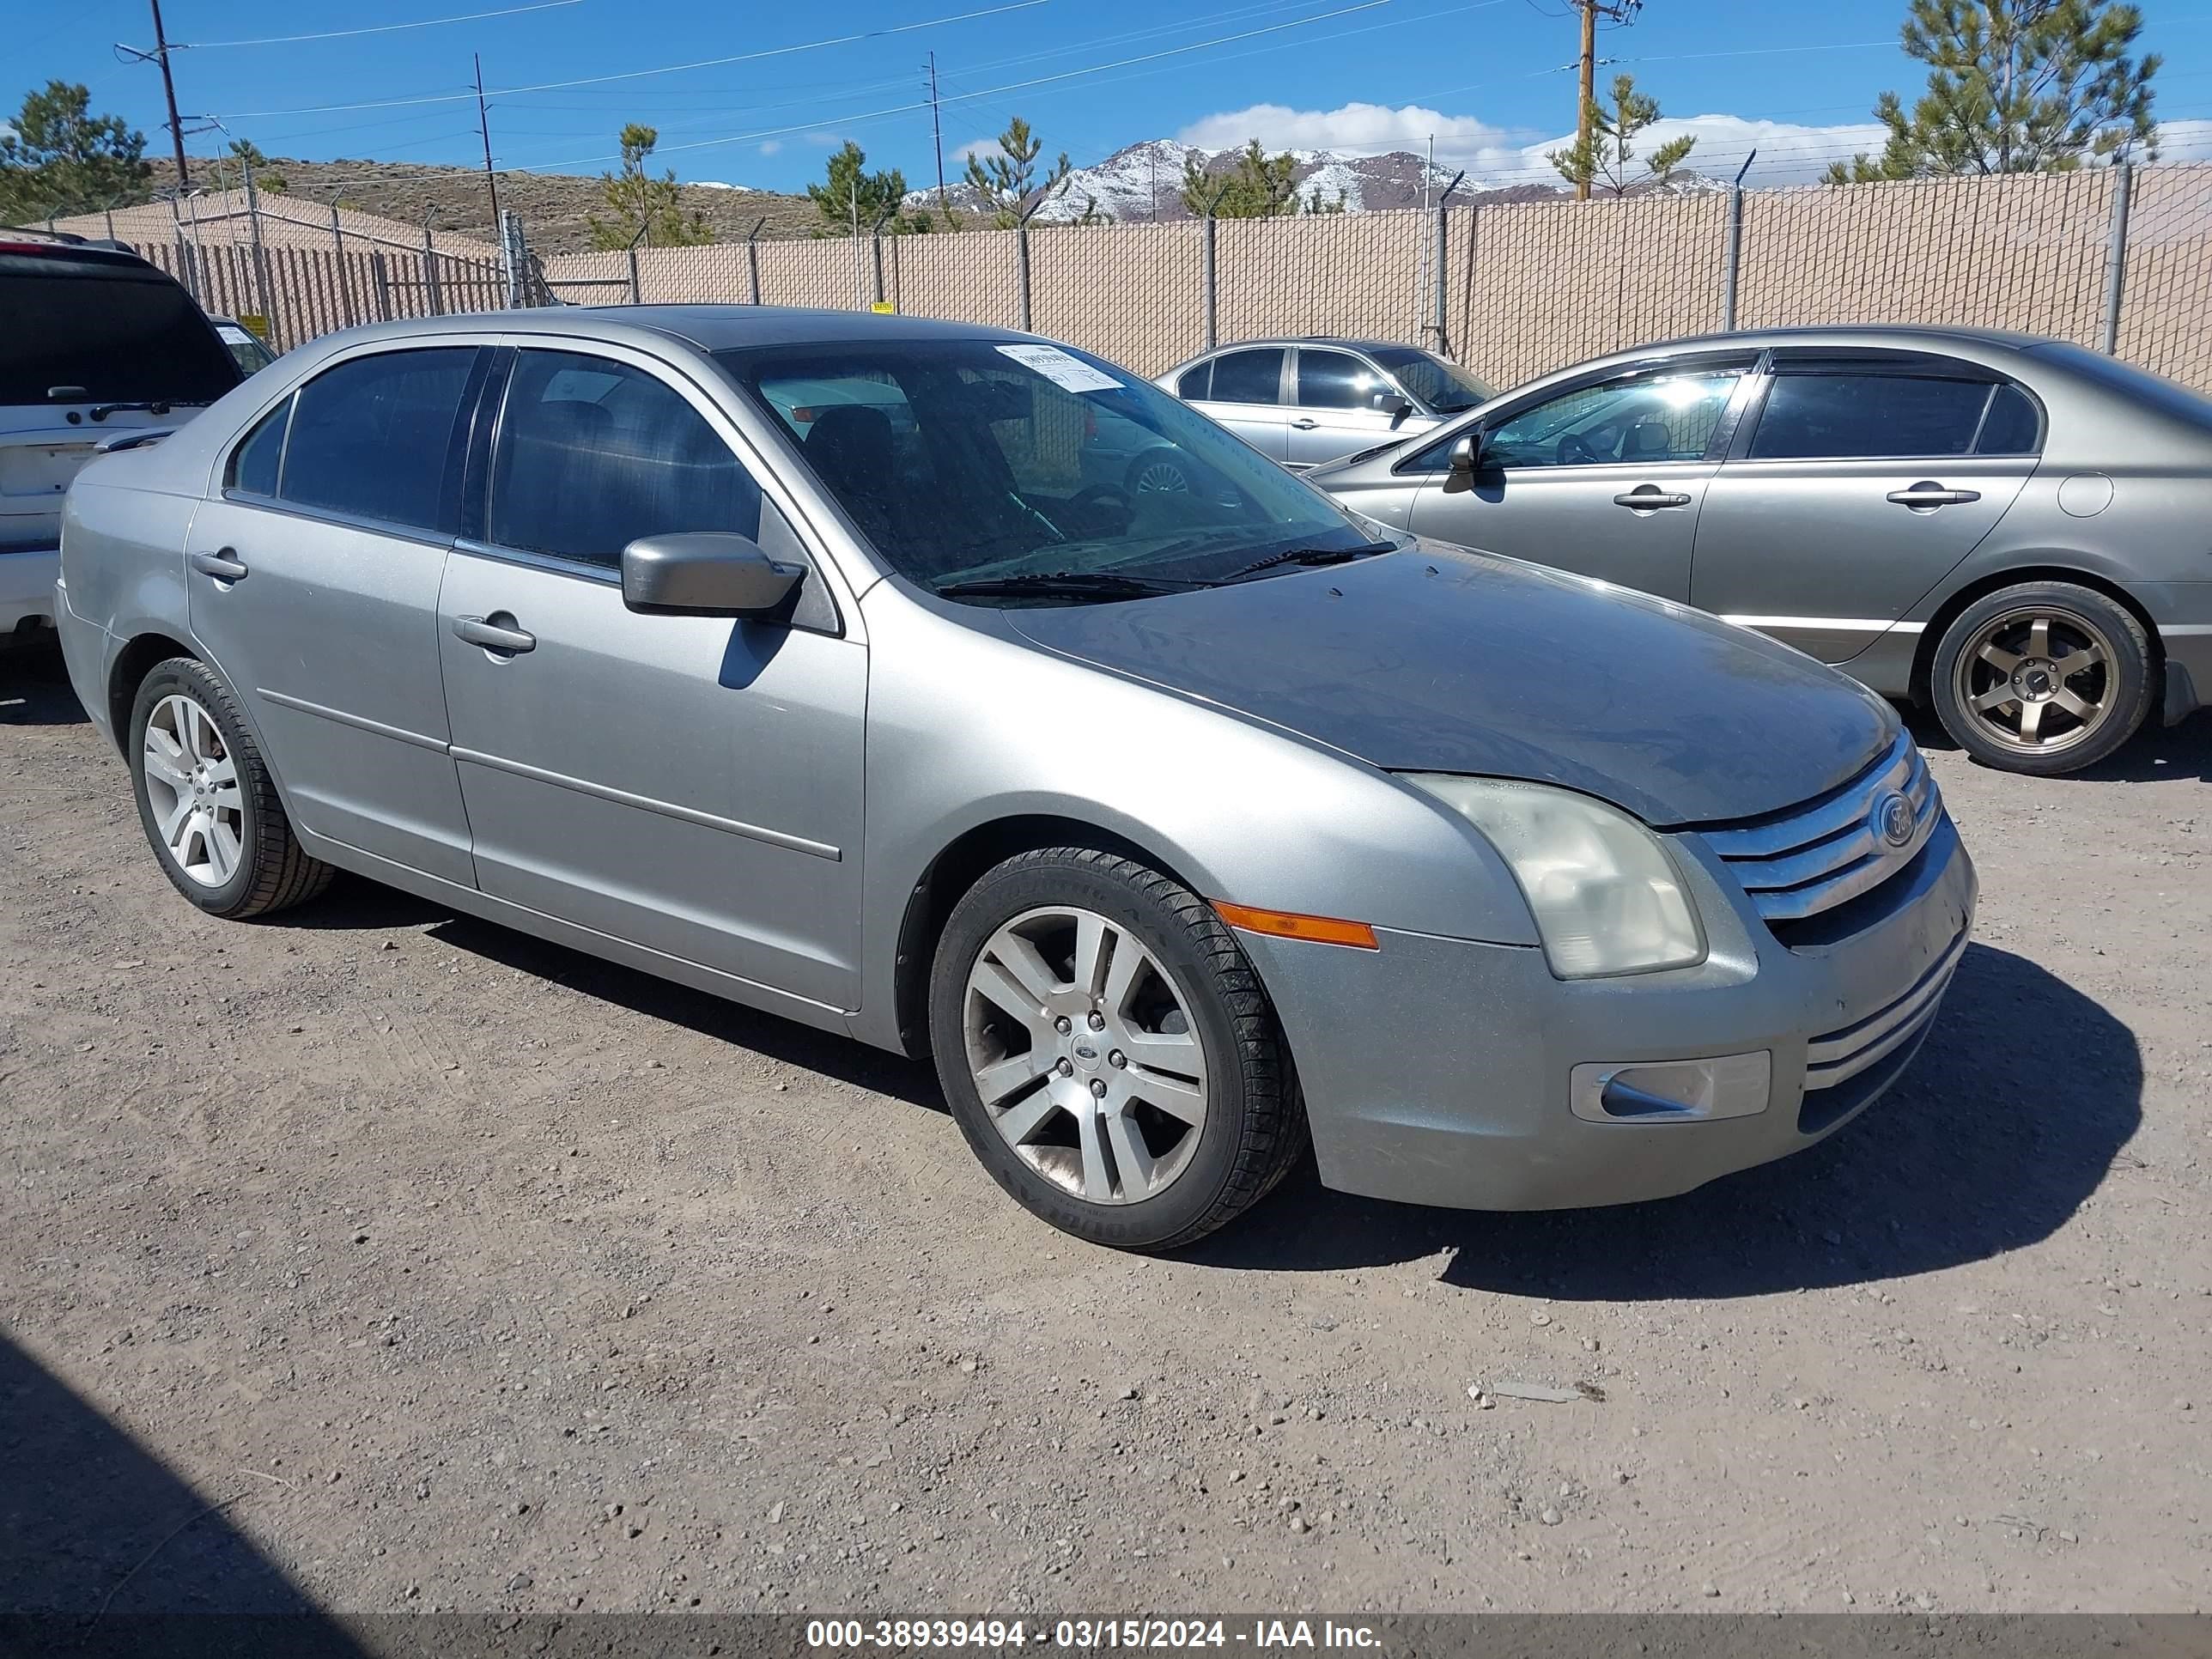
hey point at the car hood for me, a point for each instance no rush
(1438, 660)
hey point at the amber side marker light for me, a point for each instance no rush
(1288, 924)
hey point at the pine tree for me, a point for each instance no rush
(852, 193)
(1258, 185)
(248, 154)
(642, 206)
(2015, 86)
(59, 158)
(1007, 183)
(1603, 160)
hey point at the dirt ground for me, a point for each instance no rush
(380, 1259)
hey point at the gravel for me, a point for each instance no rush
(281, 1199)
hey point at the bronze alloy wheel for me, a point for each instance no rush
(2039, 679)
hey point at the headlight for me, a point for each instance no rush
(1604, 892)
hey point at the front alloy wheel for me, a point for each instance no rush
(1082, 1051)
(1107, 1050)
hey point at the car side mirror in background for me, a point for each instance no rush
(1390, 404)
(705, 573)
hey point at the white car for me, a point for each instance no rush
(97, 345)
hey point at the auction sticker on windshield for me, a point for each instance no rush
(1071, 374)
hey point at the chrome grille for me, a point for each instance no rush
(1816, 857)
(1840, 1055)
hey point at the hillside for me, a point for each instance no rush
(553, 206)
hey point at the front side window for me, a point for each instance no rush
(966, 460)
(1249, 377)
(1868, 414)
(1336, 379)
(1651, 418)
(376, 437)
(253, 464)
(593, 454)
(1445, 387)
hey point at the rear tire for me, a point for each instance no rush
(2042, 678)
(206, 801)
(1103, 1007)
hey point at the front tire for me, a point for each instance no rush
(205, 798)
(1108, 1052)
(2043, 679)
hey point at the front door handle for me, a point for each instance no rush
(1646, 497)
(1928, 494)
(491, 635)
(225, 566)
(1305, 423)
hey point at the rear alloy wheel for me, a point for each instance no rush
(2043, 678)
(1158, 473)
(1108, 1051)
(209, 808)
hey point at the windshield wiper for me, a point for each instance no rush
(1311, 556)
(157, 406)
(1073, 584)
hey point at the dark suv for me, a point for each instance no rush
(97, 344)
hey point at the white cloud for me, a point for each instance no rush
(769, 147)
(1788, 152)
(974, 147)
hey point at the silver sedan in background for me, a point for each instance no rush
(2012, 530)
(1304, 402)
(810, 659)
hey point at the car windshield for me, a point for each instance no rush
(1015, 464)
(124, 336)
(1445, 387)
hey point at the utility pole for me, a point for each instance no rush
(483, 125)
(1620, 11)
(169, 92)
(937, 138)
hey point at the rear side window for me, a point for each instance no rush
(253, 464)
(1249, 377)
(1195, 382)
(125, 334)
(2012, 425)
(375, 438)
(593, 454)
(1867, 417)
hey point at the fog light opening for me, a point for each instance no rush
(1672, 1090)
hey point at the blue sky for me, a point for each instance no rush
(1484, 78)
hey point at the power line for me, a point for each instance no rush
(378, 29)
(668, 69)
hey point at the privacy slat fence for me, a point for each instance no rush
(2123, 256)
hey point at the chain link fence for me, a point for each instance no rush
(2117, 258)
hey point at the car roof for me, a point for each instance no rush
(708, 327)
(71, 259)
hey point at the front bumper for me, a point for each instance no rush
(27, 587)
(1441, 1071)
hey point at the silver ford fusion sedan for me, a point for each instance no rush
(810, 660)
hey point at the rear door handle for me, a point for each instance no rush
(1305, 423)
(1644, 497)
(1928, 494)
(491, 635)
(225, 566)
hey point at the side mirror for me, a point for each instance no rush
(1390, 404)
(705, 573)
(1467, 455)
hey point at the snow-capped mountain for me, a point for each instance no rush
(1143, 181)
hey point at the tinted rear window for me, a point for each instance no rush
(125, 337)
(374, 437)
(2152, 390)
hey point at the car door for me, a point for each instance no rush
(1856, 483)
(314, 583)
(1604, 479)
(1343, 404)
(1244, 390)
(689, 784)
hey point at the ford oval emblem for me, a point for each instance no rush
(1894, 819)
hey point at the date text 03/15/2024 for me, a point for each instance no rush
(1086, 1635)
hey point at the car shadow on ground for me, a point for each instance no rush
(34, 688)
(2019, 1105)
(102, 1547)
(2155, 755)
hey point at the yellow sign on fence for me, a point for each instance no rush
(884, 308)
(254, 323)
